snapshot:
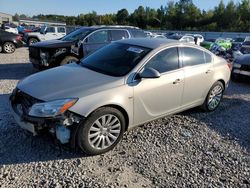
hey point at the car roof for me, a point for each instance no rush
(152, 43)
(113, 27)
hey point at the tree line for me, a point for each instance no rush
(181, 15)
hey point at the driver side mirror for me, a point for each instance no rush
(149, 73)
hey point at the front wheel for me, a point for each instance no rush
(214, 97)
(68, 60)
(32, 41)
(9, 47)
(101, 131)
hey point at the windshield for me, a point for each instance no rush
(76, 35)
(116, 59)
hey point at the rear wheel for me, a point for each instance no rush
(101, 131)
(32, 41)
(68, 60)
(214, 97)
(9, 47)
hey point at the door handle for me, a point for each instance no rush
(177, 81)
(208, 71)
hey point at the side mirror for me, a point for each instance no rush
(149, 73)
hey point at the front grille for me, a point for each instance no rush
(245, 67)
(34, 53)
(25, 100)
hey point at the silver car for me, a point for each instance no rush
(125, 84)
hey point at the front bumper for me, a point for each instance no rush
(18, 44)
(23, 124)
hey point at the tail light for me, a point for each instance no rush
(18, 38)
(230, 66)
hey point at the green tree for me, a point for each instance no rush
(122, 16)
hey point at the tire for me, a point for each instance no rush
(68, 60)
(32, 41)
(95, 137)
(214, 97)
(9, 47)
(1, 48)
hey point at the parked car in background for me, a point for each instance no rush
(46, 33)
(237, 42)
(183, 38)
(9, 41)
(207, 43)
(198, 38)
(241, 67)
(78, 44)
(122, 85)
(245, 47)
(158, 36)
(11, 29)
(225, 43)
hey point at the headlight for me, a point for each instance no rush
(236, 65)
(52, 108)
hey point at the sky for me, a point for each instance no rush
(75, 7)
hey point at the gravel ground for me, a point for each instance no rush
(191, 149)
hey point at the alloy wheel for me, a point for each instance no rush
(215, 97)
(104, 132)
(9, 47)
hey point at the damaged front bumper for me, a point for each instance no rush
(60, 126)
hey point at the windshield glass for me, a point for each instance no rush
(116, 59)
(76, 35)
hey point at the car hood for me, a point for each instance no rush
(69, 81)
(52, 44)
(243, 59)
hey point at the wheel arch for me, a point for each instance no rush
(118, 107)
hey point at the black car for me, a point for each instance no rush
(78, 44)
(9, 41)
(245, 47)
(241, 67)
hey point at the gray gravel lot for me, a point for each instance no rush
(191, 149)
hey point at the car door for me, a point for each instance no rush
(198, 70)
(118, 34)
(51, 33)
(95, 40)
(156, 97)
(61, 32)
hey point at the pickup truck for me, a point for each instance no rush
(46, 33)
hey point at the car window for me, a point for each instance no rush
(166, 60)
(98, 37)
(61, 30)
(208, 57)
(190, 39)
(50, 30)
(119, 34)
(192, 56)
